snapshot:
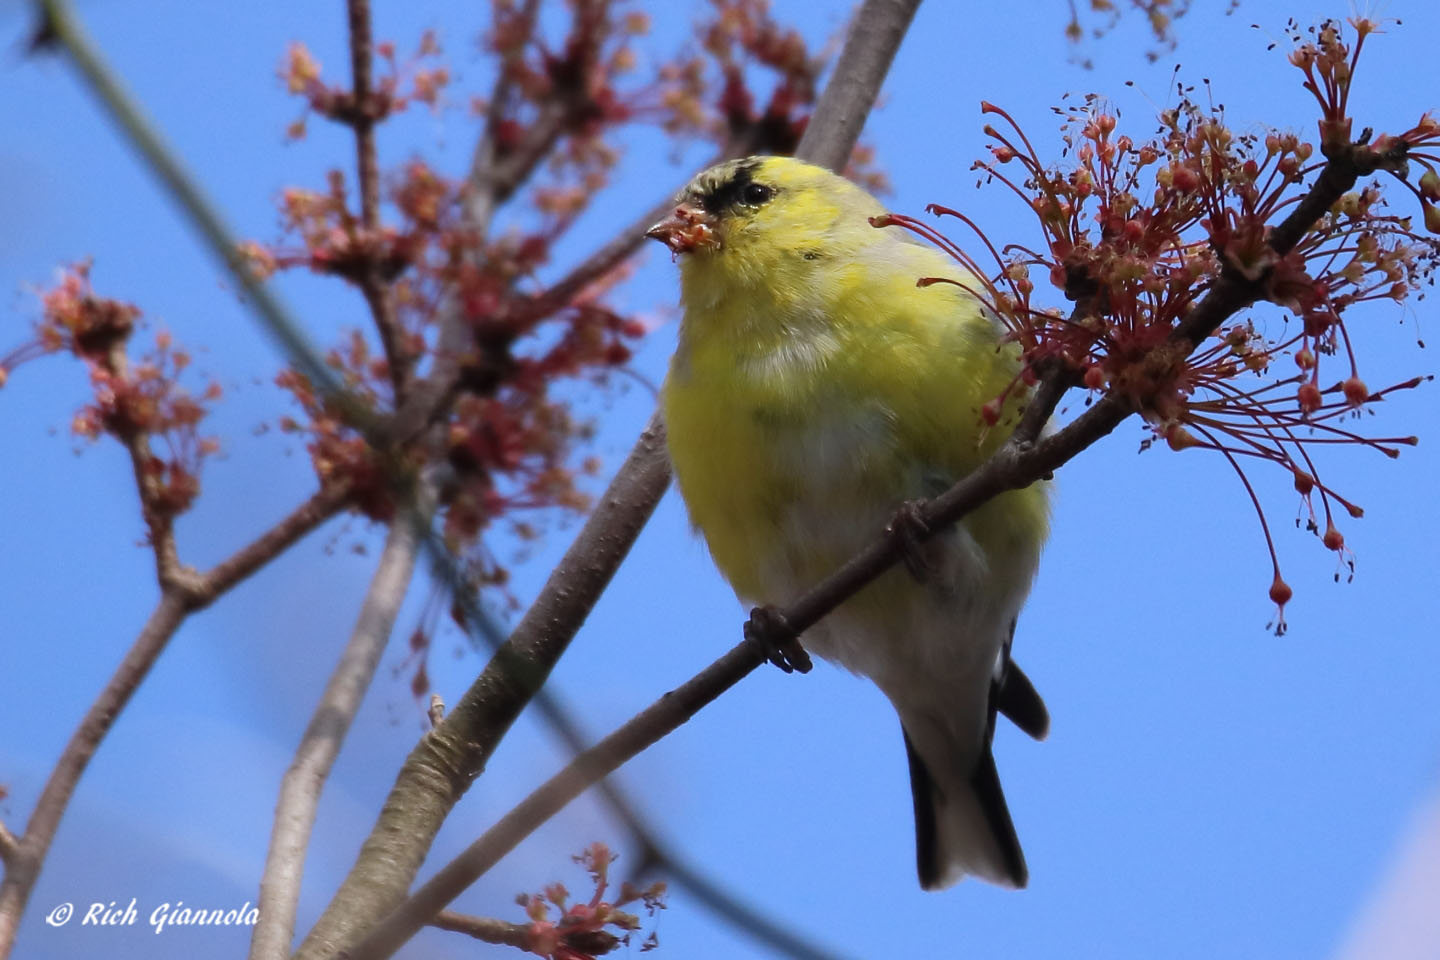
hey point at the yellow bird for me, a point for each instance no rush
(814, 391)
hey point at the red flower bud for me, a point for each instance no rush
(1356, 392)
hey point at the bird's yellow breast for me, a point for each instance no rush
(816, 381)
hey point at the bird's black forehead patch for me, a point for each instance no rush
(722, 188)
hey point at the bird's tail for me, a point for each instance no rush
(962, 825)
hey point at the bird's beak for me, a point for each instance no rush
(687, 229)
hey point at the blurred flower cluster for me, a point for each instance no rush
(141, 402)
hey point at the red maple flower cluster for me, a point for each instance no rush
(1138, 233)
(579, 933)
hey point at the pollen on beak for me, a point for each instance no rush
(687, 229)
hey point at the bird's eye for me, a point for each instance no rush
(756, 194)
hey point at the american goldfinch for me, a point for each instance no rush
(815, 389)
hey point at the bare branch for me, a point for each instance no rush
(334, 713)
(159, 523)
(321, 506)
(367, 167)
(23, 867)
(487, 929)
(362, 118)
(604, 260)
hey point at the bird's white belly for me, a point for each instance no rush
(943, 632)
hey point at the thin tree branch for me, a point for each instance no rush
(305, 779)
(1020, 461)
(23, 867)
(321, 506)
(604, 260)
(488, 929)
(361, 119)
(481, 199)
(159, 523)
(448, 758)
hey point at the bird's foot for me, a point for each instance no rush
(909, 529)
(768, 628)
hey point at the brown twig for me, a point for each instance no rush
(329, 723)
(870, 46)
(487, 929)
(361, 118)
(159, 524)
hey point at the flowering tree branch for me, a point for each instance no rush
(585, 929)
(465, 739)
(371, 275)
(1025, 457)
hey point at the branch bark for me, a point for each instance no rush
(305, 779)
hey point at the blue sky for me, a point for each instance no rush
(1208, 789)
